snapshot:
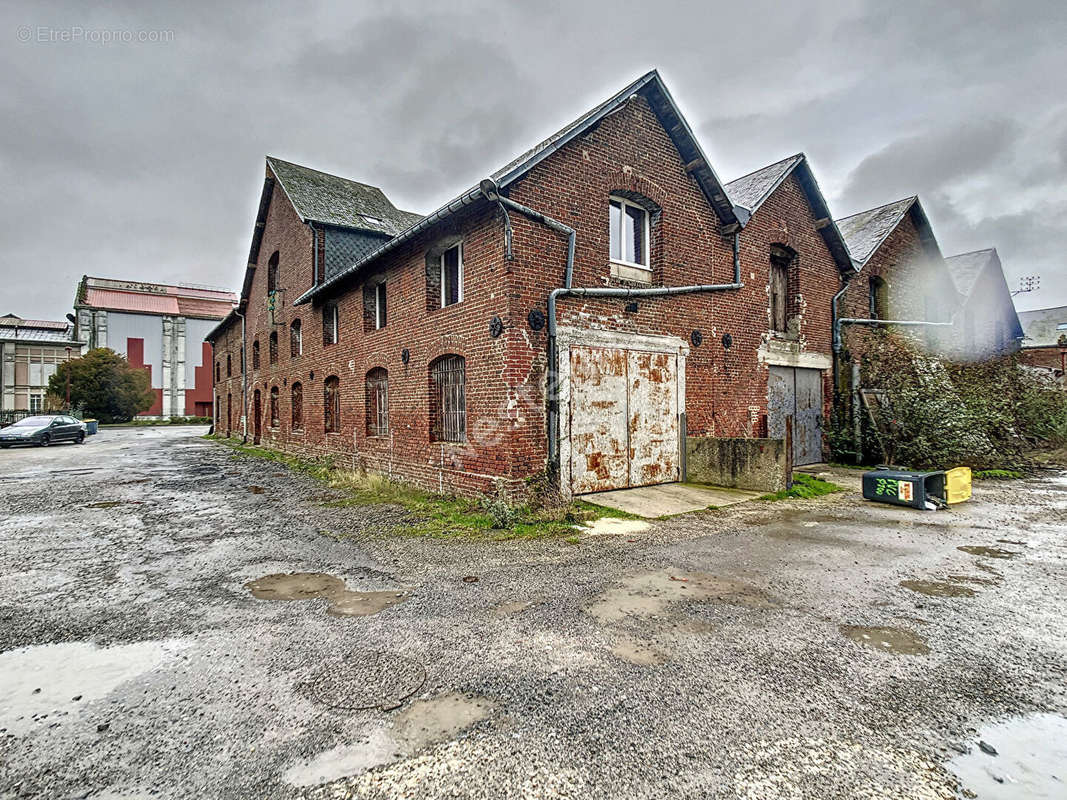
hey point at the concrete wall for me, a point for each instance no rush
(743, 463)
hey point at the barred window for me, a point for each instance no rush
(332, 404)
(297, 407)
(272, 347)
(275, 419)
(255, 354)
(296, 339)
(329, 323)
(378, 402)
(448, 402)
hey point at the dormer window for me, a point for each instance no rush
(628, 228)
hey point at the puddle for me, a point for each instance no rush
(898, 641)
(1031, 760)
(422, 724)
(641, 653)
(38, 684)
(975, 579)
(938, 588)
(312, 585)
(988, 552)
(652, 594)
(256, 489)
(614, 526)
(513, 607)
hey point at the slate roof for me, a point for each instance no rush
(321, 197)
(651, 87)
(40, 331)
(749, 191)
(1040, 326)
(865, 231)
(966, 267)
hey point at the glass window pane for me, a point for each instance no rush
(450, 275)
(635, 235)
(615, 226)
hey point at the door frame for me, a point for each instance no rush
(568, 337)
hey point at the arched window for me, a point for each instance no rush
(275, 419)
(297, 406)
(331, 404)
(448, 401)
(272, 347)
(876, 299)
(255, 354)
(781, 276)
(229, 366)
(378, 402)
(296, 339)
(272, 273)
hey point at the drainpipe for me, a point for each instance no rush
(835, 331)
(244, 380)
(569, 290)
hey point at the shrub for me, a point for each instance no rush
(105, 385)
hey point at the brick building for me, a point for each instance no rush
(986, 324)
(1044, 341)
(160, 328)
(576, 315)
(30, 352)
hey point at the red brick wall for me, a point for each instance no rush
(135, 355)
(1048, 357)
(726, 391)
(201, 393)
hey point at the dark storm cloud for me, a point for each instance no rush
(145, 159)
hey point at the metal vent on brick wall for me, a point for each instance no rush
(727, 341)
(631, 308)
(697, 338)
(496, 327)
(405, 355)
(535, 319)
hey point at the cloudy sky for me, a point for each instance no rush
(144, 159)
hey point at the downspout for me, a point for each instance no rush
(569, 290)
(835, 330)
(244, 380)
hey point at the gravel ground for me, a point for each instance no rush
(764, 651)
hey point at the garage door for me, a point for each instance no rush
(623, 418)
(797, 393)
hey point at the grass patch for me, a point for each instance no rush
(434, 516)
(996, 474)
(805, 487)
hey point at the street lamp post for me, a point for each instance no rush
(68, 379)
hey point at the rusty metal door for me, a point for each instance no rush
(623, 418)
(797, 393)
(653, 406)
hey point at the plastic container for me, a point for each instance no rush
(958, 485)
(924, 490)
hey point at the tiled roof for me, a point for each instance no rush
(43, 331)
(321, 197)
(966, 267)
(139, 297)
(865, 231)
(749, 191)
(13, 321)
(131, 301)
(1041, 326)
(210, 309)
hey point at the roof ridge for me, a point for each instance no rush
(973, 252)
(800, 154)
(327, 174)
(910, 199)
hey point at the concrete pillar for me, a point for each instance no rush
(167, 365)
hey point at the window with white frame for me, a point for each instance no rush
(329, 323)
(36, 403)
(452, 275)
(629, 232)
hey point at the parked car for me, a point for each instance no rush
(43, 430)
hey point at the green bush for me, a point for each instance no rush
(104, 385)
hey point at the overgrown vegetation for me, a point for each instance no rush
(996, 475)
(489, 518)
(933, 413)
(804, 487)
(104, 385)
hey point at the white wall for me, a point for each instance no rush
(121, 327)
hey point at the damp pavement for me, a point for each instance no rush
(179, 622)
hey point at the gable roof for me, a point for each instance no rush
(651, 87)
(1042, 326)
(865, 231)
(751, 191)
(332, 200)
(966, 267)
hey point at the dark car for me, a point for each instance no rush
(43, 430)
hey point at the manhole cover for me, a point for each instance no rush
(366, 680)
